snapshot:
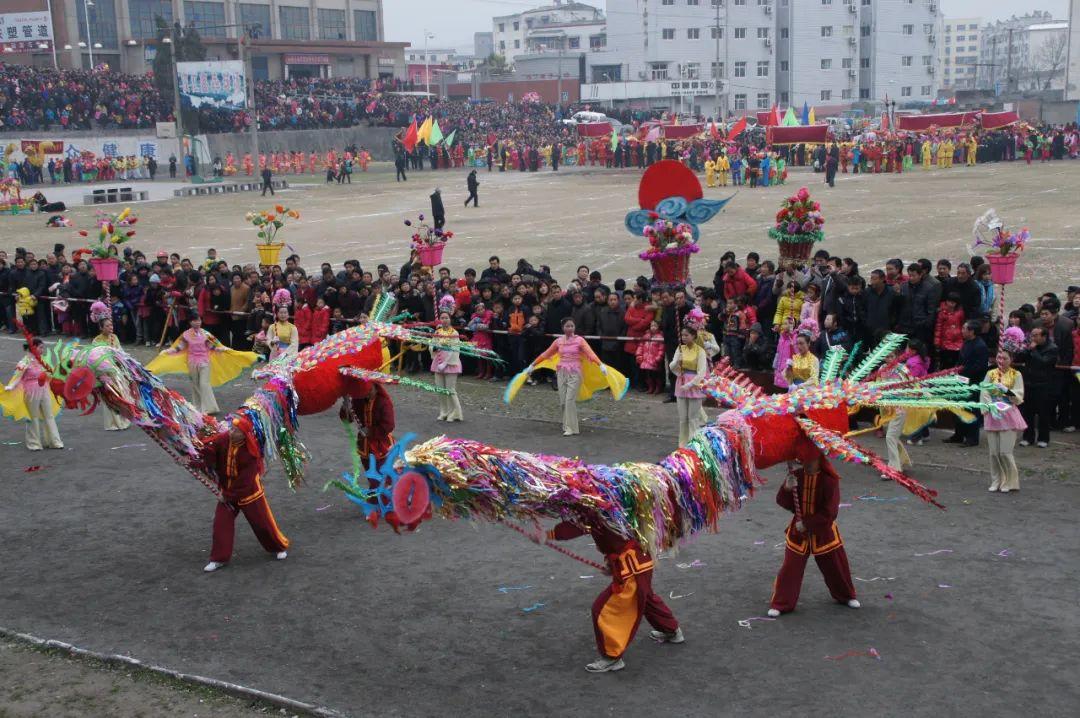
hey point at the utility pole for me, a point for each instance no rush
(558, 84)
(716, 75)
(176, 35)
(1008, 63)
(993, 63)
(249, 90)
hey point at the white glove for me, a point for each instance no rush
(603, 369)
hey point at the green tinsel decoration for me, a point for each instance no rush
(294, 455)
(831, 365)
(874, 359)
(851, 359)
(382, 307)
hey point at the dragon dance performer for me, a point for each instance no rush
(28, 397)
(233, 455)
(207, 361)
(812, 493)
(373, 414)
(618, 609)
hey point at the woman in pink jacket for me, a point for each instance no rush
(572, 351)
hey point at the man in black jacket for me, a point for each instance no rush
(1040, 375)
(851, 310)
(974, 361)
(438, 213)
(38, 283)
(494, 273)
(473, 185)
(882, 307)
(919, 310)
(1059, 328)
(964, 285)
(267, 183)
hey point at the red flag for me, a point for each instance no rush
(713, 132)
(492, 138)
(884, 121)
(952, 100)
(774, 117)
(410, 137)
(737, 129)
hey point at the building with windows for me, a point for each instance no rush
(323, 38)
(563, 22)
(483, 45)
(959, 50)
(738, 56)
(1072, 67)
(1024, 54)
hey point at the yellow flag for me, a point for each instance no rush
(424, 133)
(811, 117)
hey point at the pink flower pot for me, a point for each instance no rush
(106, 270)
(1002, 267)
(431, 255)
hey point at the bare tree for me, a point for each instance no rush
(1049, 60)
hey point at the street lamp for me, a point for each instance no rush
(87, 4)
(427, 73)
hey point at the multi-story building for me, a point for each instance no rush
(743, 55)
(1027, 53)
(483, 45)
(327, 38)
(959, 50)
(898, 50)
(1072, 70)
(547, 25)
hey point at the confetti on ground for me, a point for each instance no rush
(534, 607)
(759, 543)
(935, 553)
(882, 498)
(324, 508)
(876, 578)
(508, 589)
(32, 469)
(589, 576)
(869, 653)
(673, 597)
(888, 596)
(693, 564)
(1004, 553)
(12, 443)
(745, 623)
(944, 585)
(845, 506)
(127, 446)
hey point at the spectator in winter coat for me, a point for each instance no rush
(918, 313)
(969, 295)
(1040, 377)
(320, 322)
(882, 307)
(948, 331)
(757, 353)
(737, 283)
(851, 310)
(302, 319)
(789, 306)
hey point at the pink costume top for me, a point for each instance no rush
(570, 353)
(33, 386)
(445, 361)
(1010, 419)
(199, 345)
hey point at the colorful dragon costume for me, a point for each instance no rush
(658, 504)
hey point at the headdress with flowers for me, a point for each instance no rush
(799, 220)
(992, 238)
(1013, 340)
(270, 222)
(424, 235)
(113, 230)
(668, 238)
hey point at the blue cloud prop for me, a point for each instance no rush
(677, 209)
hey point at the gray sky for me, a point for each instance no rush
(454, 23)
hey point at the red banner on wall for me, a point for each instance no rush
(995, 120)
(812, 134)
(681, 132)
(920, 123)
(307, 59)
(594, 129)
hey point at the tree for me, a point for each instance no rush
(1049, 60)
(494, 65)
(189, 48)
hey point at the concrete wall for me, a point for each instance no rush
(376, 139)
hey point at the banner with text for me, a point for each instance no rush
(218, 84)
(25, 32)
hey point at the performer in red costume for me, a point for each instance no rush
(374, 417)
(812, 493)
(617, 611)
(233, 455)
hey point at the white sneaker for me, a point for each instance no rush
(603, 665)
(213, 566)
(773, 613)
(661, 637)
(994, 488)
(853, 603)
(441, 417)
(1042, 444)
(567, 432)
(1025, 442)
(1004, 491)
(281, 555)
(1069, 429)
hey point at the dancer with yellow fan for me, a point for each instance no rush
(28, 397)
(580, 375)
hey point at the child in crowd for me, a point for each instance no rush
(785, 349)
(259, 343)
(515, 338)
(734, 332)
(650, 358)
(337, 321)
(320, 321)
(948, 331)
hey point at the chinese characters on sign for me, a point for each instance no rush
(25, 32)
(216, 84)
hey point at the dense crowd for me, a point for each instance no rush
(760, 316)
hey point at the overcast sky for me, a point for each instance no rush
(453, 23)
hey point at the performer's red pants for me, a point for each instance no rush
(833, 566)
(617, 612)
(262, 522)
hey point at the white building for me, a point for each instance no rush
(765, 52)
(1072, 72)
(1027, 53)
(959, 50)
(512, 34)
(483, 45)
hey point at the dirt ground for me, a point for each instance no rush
(104, 547)
(968, 610)
(576, 216)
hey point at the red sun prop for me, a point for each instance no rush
(411, 497)
(668, 178)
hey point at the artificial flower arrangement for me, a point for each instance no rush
(427, 236)
(799, 220)
(269, 223)
(668, 239)
(113, 230)
(992, 238)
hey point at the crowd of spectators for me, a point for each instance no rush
(756, 313)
